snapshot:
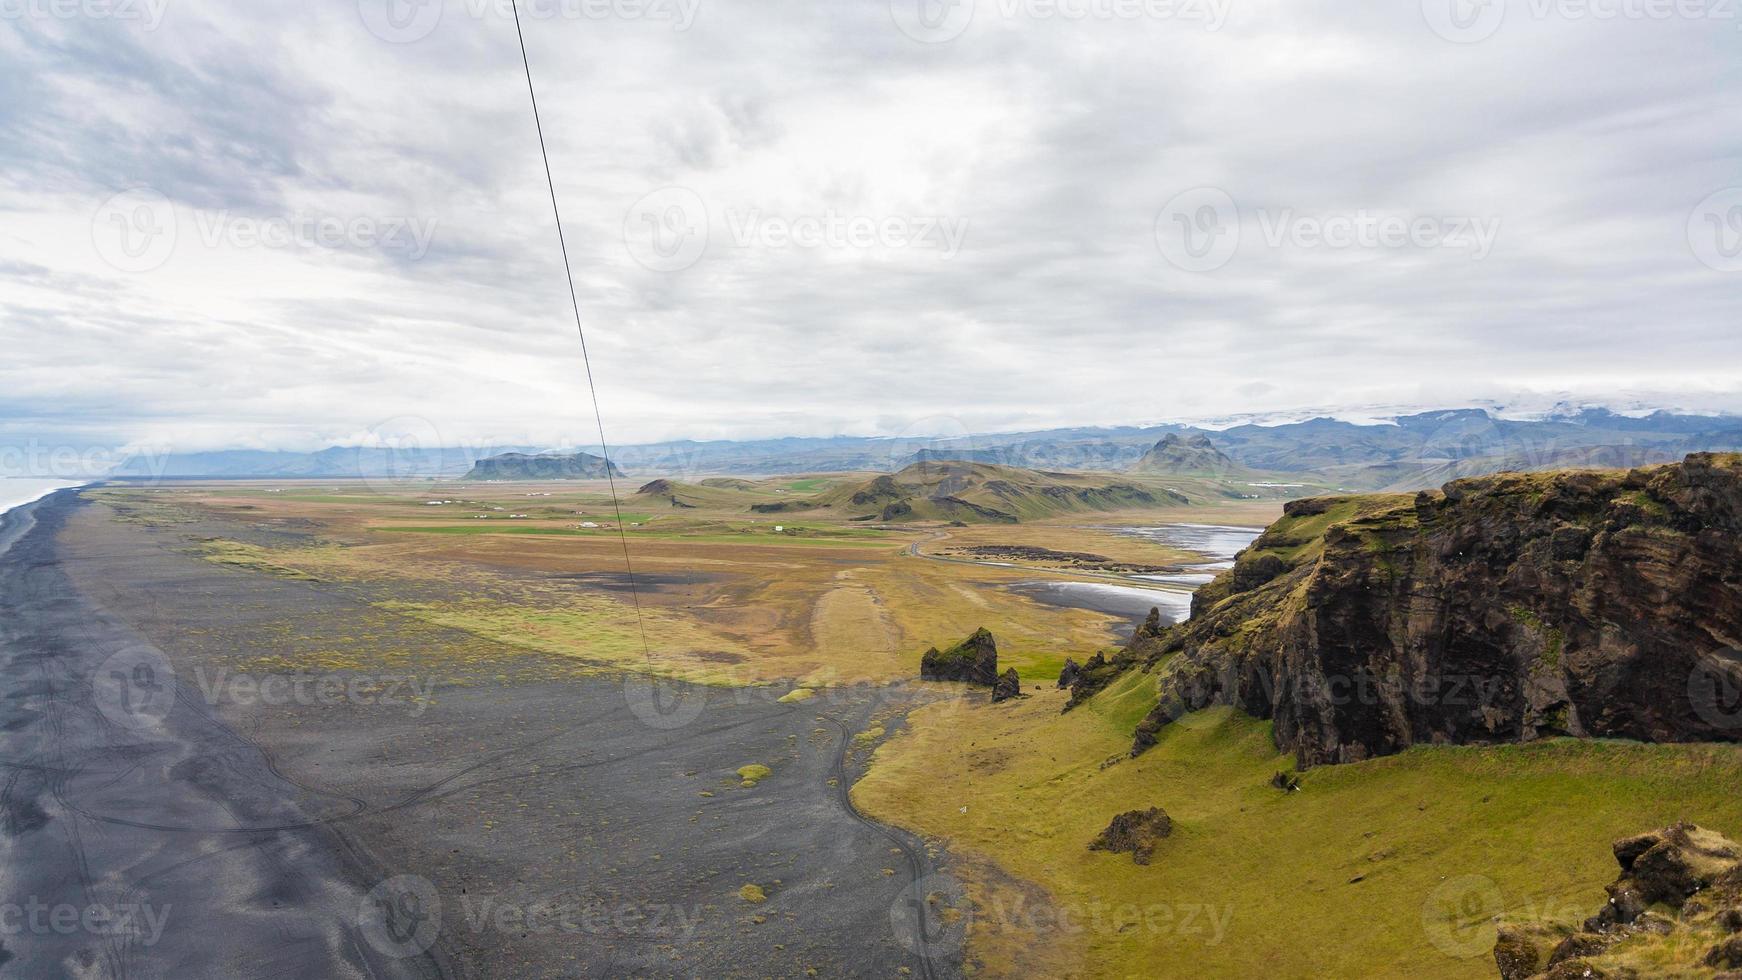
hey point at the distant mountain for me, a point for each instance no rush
(1177, 455)
(337, 462)
(976, 493)
(522, 466)
(1364, 456)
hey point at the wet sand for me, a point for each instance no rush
(329, 789)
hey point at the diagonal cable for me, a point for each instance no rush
(575, 302)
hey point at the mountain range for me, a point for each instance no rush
(1405, 452)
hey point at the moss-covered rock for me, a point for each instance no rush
(1135, 832)
(974, 660)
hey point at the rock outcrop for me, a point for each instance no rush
(1135, 832)
(1070, 673)
(974, 660)
(1009, 687)
(1683, 880)
(1499, 609)
(547, 466)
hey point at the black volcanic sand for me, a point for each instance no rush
(527, 820)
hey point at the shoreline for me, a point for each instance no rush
(122, 802)
(514, 785)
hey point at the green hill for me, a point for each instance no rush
(978, 493)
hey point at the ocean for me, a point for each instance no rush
(17, 491)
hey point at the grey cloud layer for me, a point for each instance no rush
(1048, 145)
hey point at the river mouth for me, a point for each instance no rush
(1172, 592)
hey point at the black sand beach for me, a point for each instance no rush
(295, 782)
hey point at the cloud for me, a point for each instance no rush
(283, 143)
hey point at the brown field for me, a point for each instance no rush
(724, 597)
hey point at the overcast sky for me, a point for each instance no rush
(291, 225)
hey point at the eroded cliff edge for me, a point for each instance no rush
(1501, 608)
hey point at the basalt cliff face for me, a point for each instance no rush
(1498, 609)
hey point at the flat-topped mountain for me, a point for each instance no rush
(978, 493)
(1179, 454)
(1498, 609)
(547, 466)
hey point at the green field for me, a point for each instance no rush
(1392, 867)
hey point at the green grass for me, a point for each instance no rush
(807, 486)
(853, 538)
(1442, 839)
(254, 558)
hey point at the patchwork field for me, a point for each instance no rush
(725, 595)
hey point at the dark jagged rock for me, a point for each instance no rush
(1134, 832)
(1009, 686)
(1499, 609)
(549, 466)
(1726, 955)
(1094, 675)
(1288, 782)
(1069, 675)
(1665, 866)
(1662, 872)
(1515, 954)
(974, 660)
(1151, 624)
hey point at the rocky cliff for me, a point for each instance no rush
(549, 466)
(1501, 608)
